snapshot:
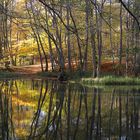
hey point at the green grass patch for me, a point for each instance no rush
(111, 80)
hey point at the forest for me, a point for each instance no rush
(69, 69)
(100, 37)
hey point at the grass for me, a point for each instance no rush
(111, 80)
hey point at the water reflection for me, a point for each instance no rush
(48, 110)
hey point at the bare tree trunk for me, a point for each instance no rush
(49, 41)
(92, 38)
(127, 40)
(36, 19)
(68, 37)
(59, 40)
(121, 41)
(86, 35)
(78, 42)
(110, 22)
(99, 8)
(35, 35)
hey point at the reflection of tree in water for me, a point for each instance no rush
(6, 111)
(38, 114)
(15, 111)
(127, 119)
(73, 113)
(53, 115)
(67, 111)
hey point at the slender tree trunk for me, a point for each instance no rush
(111, 42)
(68, 37)
(35, 35)
(59, 40)
(49, 41)
(99, 8)
(86, 36)
(78, 41)
(121, 41)
(92, 38)
(127, 40)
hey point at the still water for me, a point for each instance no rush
(49, 110)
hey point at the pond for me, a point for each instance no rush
(49, 110)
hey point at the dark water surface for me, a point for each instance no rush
(49, 110)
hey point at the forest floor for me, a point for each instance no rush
(30, 71)
(107, 67)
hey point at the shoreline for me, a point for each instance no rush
(74, 78)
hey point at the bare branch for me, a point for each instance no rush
(135, 18)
